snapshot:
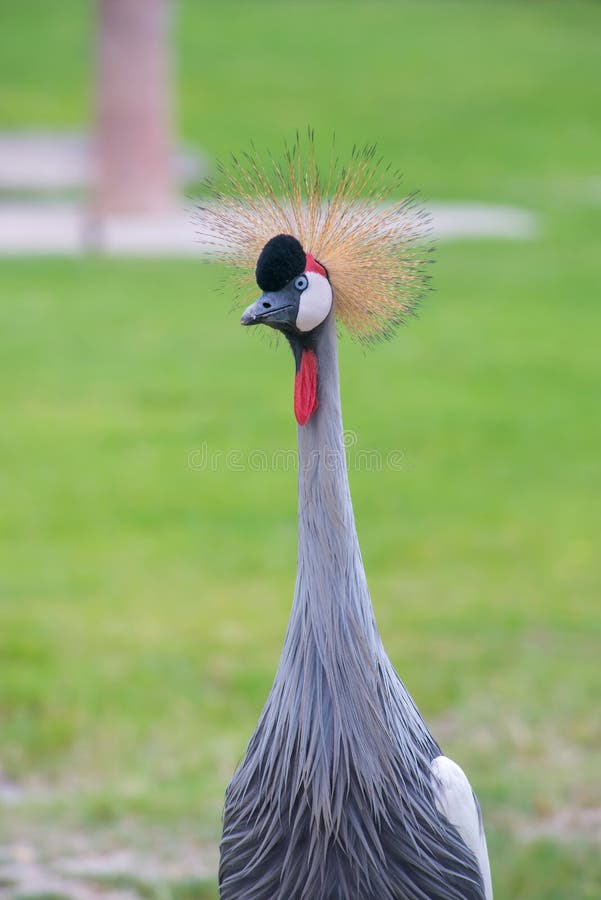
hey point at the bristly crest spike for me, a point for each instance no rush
(374, 246)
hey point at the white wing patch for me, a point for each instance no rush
(455, 799)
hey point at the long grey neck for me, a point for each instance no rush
(331, 579)
(324, 496)
(336, 697)
(325, 699)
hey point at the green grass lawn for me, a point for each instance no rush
(144, 599)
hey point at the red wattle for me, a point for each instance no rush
(305, 388)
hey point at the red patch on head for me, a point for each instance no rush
(305, 386)
(314, 266)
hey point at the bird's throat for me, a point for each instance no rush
(305, 387)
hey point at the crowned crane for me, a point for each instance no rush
(343, 794)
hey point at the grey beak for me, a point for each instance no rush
(249, 316)
(277, 308)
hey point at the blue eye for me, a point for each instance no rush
(301, 283)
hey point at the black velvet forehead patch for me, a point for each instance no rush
(281, 259)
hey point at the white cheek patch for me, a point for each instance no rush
(315, 302)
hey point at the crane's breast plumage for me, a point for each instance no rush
(387, 842)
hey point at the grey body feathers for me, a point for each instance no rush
(333, 800)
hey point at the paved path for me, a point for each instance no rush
(63, 229)
(38, 160)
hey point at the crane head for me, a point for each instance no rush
(297, 295)
(296, 299)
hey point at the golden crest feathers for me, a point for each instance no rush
(375, 250)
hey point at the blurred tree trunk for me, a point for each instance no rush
(134, 146)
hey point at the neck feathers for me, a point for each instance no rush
(331, 581)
